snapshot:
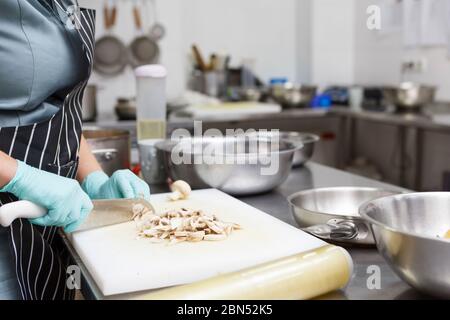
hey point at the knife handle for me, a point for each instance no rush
(20, 209)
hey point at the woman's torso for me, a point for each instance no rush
(41, 60)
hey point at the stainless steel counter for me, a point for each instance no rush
(274, 203)
(436, 118)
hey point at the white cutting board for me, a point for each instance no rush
(119, 262)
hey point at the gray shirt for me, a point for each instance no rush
(41, 59)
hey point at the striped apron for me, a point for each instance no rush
(39, 255)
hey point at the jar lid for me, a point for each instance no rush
(151, 71)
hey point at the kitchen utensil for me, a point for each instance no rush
(332, 213)
(143, 50)
(308, 140)
(291, 95)
(152, 162)
(157, 30)
(215, 85)
(410, 96)
(301, 276)
(110, 56)
(119, 263)
(105, 212)
(126, 109)
(236, 165)
(201, 64)
(89, 110)
(110, 147)
(408, 231)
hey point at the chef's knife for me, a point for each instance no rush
(105, 212)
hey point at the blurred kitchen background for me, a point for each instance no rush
(378, 99)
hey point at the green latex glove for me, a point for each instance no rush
(123, 184)
(67, 204)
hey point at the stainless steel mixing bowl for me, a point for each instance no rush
(291, 95)
(332, 213)
(238, 166)
(408, 231)
(409, 95)
(308, 140)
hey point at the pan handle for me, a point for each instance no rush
(137, 17)
(334, 230)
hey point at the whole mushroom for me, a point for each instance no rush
(180, 190)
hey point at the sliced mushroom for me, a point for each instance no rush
(177, 226)
(215, 237)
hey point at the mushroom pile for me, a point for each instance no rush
(181, 225)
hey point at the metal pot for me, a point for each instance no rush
(332, 213)
(409, 95)
(126, 109)
(110, 147)
(408, 231)
(152, 162)
(242, 172)
(89, 110)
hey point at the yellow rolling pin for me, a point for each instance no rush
(302, 276)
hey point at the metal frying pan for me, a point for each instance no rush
(110, 56)
(332, 213)
(143, 49)
(157, 31)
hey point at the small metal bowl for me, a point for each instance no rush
(332, 213)
(308, 140)
(409, 95)
(242, 172)
(408, 230)
(291, 95)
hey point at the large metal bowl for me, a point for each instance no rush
(408, 231)
(409, 95)
(235, 171)
(291, 95)
(332, 213)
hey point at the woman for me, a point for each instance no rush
(46, 50)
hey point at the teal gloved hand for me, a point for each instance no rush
(123, 184)
(67, 204)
